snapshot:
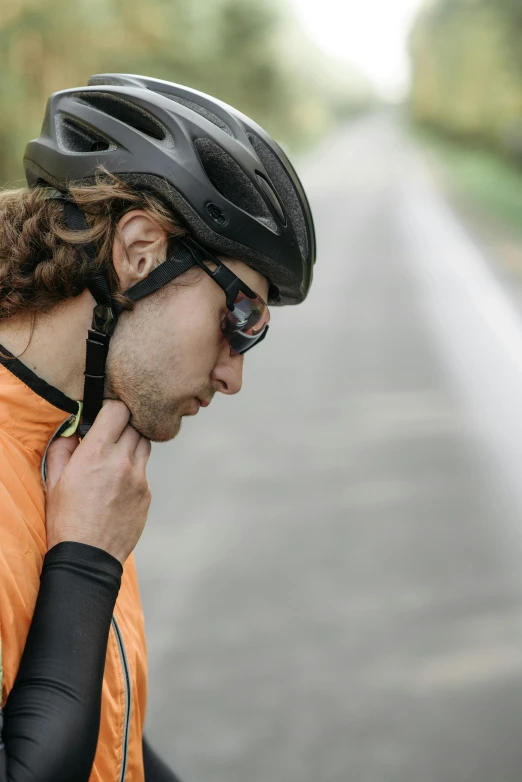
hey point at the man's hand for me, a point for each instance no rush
(97, 490)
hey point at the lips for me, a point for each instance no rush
(202, 402)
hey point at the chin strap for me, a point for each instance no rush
(104, 319)
(107, 310)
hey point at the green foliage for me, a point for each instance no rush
(483, 178)
(233, 49)
(467, 70)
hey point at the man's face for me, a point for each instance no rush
(169, 352)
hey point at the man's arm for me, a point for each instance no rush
(52, 715)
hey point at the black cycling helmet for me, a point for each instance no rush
(233, 186)
(220, 172)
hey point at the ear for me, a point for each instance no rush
(138, 248)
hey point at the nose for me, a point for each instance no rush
(228, 373)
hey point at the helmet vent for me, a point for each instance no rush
(74, 137)
(285, 191)
(230, 180)
(201, 110)
(125, 112)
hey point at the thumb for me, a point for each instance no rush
(58, 457)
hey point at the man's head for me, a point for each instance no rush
(177, 167)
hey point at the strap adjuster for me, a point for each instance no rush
(104, 320)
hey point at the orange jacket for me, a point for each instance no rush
(32, 413)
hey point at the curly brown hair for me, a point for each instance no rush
(39, 263)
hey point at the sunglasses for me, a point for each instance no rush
(246, 322)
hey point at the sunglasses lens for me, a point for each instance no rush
(246, 324)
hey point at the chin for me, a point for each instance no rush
(158, 431)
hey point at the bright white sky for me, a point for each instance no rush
(371, 33)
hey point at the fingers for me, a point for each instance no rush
(109, 424)
(142, 452)
(58, 456)
(129, 440)
(112, 427)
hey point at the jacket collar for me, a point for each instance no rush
(31, 410)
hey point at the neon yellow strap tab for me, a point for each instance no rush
(74, 423)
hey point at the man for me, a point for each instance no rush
(162, 222)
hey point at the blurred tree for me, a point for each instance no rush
(467, 70)
(233, 49)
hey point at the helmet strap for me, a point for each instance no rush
(178, 261)
(106, 311)
(104, 319)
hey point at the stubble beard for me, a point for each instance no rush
(156, 418)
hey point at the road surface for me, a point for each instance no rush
(332, 570)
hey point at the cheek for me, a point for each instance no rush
(199, 339)
(207, 338)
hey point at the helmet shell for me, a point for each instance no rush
(228, 180)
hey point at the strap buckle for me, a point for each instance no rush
(103, 319)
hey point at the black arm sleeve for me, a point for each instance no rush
(155, 768)
(52, 715)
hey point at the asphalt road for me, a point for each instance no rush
(332, 570)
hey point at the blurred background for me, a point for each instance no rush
(332, 569)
